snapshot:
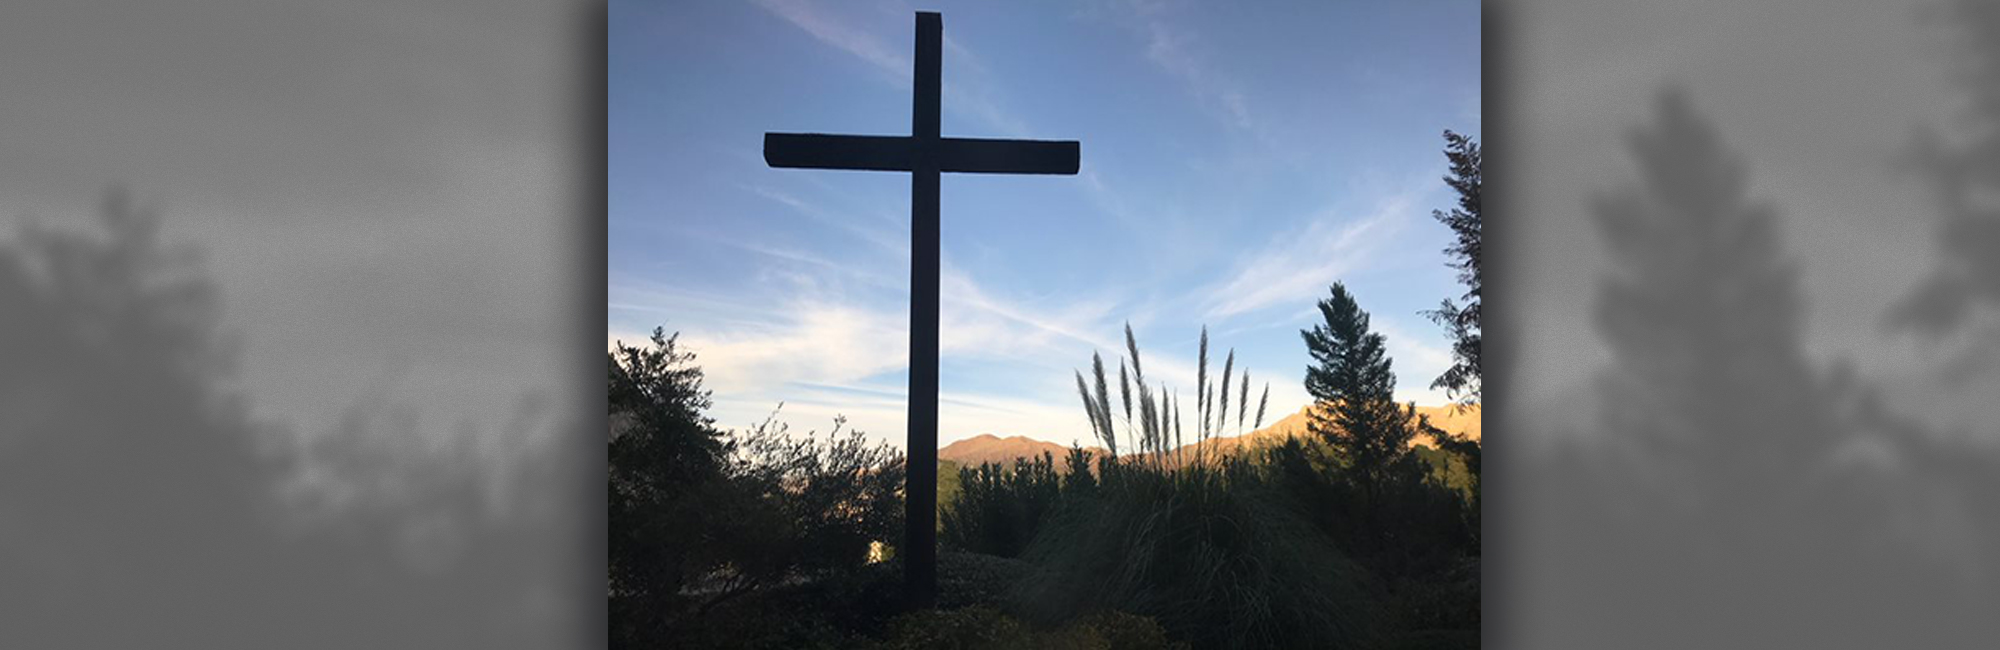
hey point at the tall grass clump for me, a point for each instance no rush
(1153, 428)
(1211, 547)
(1210, 551)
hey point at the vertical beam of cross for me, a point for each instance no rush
(926, 154)
(920, 492)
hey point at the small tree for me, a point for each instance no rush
(1354, 391)
(665, 459)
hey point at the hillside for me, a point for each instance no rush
(989, 448)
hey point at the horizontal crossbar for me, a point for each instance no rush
(822, 151)
(974, 156)
(898, 153)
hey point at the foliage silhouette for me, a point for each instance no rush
(701, 520)
(988, 628)
(1462, 379)
(1417, 537)
(1283, 546)
(1209, 550)
(1354, 392)
(666, 460)
(999, 510)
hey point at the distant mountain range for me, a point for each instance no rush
(987, 447)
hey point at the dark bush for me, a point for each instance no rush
(1113, 631)
(970, 628)
(966, 579)
(988, 628)
(837, 610)
(999, 510)
(708, 528)
(1213, 553)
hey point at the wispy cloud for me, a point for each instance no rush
(1106, 199)
(1168, 47)
(627, 293)
(978, 317)
(1299, 265)
(851, 223)
(823, 358)
(977, 102)
(814, 342)
(1063, 339)
(1041, 414)
(1416, 362)
(842, 36)
(965, 92)
(828, 270)
(1176, 50)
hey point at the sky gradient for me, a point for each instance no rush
(1235, 162)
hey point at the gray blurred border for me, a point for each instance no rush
(1744, 275)
(300, 317)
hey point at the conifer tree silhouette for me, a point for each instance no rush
(1354, 391)
(1462, 379)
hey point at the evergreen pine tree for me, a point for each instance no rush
(1353, 390)
(1462, 379)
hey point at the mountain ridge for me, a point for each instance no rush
(987, 447)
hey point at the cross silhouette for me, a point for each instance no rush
(923, 153)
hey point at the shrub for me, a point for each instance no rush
(1111, 631)
(1213, 553)
(970, 628)
(829, 499)
(1413, 538)
(998, 510)
(966, 579)
(1416, 519)
(987, 628)
(705, 523)
(947, 489)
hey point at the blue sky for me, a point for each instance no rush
(1236, 160)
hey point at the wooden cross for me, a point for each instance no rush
(925, 154)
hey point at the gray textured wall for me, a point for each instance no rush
(1743, 318)
(300, 316)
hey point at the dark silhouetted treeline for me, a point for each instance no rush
(717, 538)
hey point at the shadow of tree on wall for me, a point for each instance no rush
(1735, 492)
(1964, 177)
(142, 506)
